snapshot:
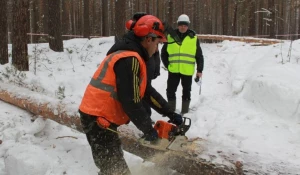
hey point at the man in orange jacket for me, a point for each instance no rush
(115, 93)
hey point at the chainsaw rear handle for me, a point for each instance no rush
(187, 121)
(185, 126)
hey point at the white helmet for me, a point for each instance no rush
(183, 18)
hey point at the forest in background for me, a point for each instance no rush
(37, 21)
(258, 18)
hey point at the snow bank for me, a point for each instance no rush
(19, 160)
(263, 87)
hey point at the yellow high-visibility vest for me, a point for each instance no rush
(182, 58)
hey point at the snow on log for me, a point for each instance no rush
(239, 38)
(186, 162)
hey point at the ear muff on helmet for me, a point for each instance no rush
(128, 24)
(148, 24)
(141, 30)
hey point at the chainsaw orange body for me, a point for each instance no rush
(171, 137)
(164, 129)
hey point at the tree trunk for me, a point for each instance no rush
(287, 17)
(298, 18)
(3, 32)
(66, 21)
(170, 14)
(252, 18)
(55, 39)
(9, 19)
(33, 21)
(80, 17)
(19, 35)
(160, 10)
(197, 17)
(225, 16)
(105, 24)
(119, 20)
(271, 5)
(213, 14)
(86, 20)
(97, 17)
(295, 19)
(208, 17)
(43, 20)
(234, 27)
(72, 16)
(92, 14)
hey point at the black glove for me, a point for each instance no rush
(151, 136)
(175, 118)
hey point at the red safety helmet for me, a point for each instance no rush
(149, 25)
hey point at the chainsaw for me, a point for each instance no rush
(171, 137)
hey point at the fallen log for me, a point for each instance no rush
(263, 41)
(186, 162)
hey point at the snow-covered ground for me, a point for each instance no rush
(248, 109)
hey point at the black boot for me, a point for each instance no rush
(172, 105)
(185, 106)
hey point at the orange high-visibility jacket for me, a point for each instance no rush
(100, 98)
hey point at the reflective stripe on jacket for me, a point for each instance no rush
(182, 58)
(100, 98)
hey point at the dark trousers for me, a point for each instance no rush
(147, 107)
(105, 146)
(173, 82)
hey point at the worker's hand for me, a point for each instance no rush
(198, 78)
(151, 136)
(199, 74)
(175, 118)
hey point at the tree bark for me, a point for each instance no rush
(33, 21)
(271, 5)
(119, 19)
(19, 34)
(3, 32)
(298, 18)
(252, 26)
(225, 16)
(9, 19)
(234, 26)
(43, 20)
(287, 16)
(105, 24)
(170, 14)
(66, 15)
(55, 38)
(80, 17)
(86, 20)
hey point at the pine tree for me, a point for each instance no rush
(3, 33)
(55, 38)
(19, 34)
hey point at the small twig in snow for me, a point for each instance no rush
(66, 136)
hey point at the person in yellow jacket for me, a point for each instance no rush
(180, 59)
(115, 94)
